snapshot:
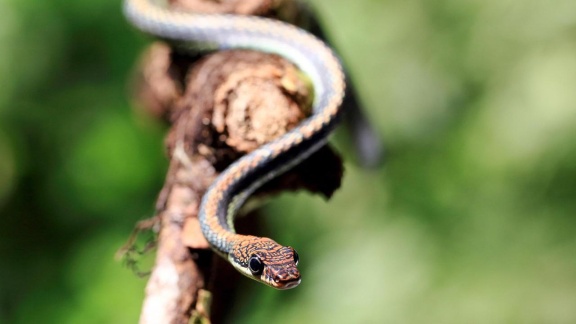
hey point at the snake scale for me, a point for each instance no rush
(258, 258)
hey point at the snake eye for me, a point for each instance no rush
(255, 265)
(296, 257)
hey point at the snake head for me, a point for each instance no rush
(264, 260)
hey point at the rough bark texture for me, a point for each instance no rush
(220, 107)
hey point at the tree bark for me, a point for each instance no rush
(219, 107)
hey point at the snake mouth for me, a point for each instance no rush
(288, 284)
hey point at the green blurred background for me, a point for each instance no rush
(471, 220)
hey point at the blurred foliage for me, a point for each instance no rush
(472, 218)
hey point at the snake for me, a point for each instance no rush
(258, 258)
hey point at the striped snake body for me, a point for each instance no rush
(258, 258)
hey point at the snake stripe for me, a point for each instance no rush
(261, 259)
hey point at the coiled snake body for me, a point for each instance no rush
(258, 258)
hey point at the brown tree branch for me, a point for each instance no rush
(220, 107)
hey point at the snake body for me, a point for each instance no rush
(258, 258)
